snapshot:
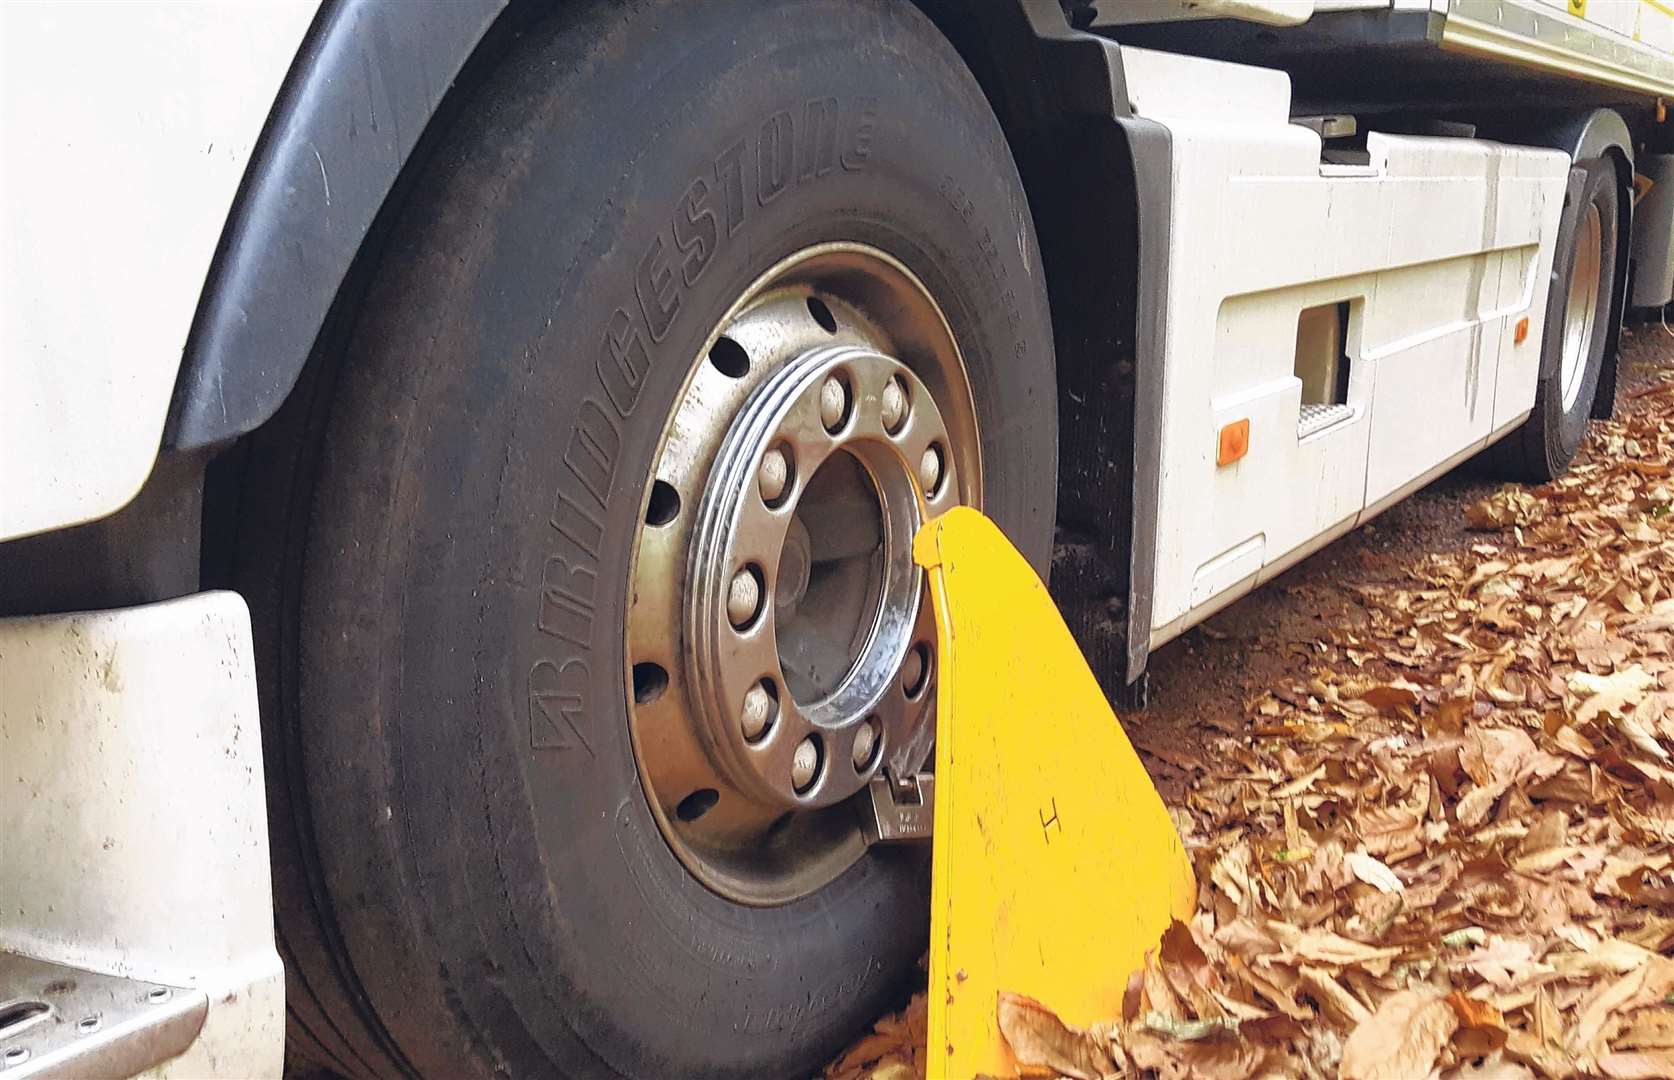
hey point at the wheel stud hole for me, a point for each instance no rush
(664, 505)
(836, 402)
(729, 358)
(806, 760)
(931, 468)
(822, 314)
(650, 680)
(776, 476)
(697, 804)
(915, 670)
(866, 742)
(761, 708)
(893, 406)
(746, 598)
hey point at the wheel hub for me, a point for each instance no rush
(780, 644)
(816, 427)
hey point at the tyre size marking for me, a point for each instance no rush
(787, 148)
(743, 955)
(963, 205)
(790, 1016)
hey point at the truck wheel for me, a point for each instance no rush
(581, 566)
(1578, 310)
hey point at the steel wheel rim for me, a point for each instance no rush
(720, 706)
(1581, 305)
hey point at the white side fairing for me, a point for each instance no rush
(135, 822)
(125, 128)
(1433, 248)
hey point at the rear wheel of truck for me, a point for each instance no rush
(581, 564)
(1577, 332)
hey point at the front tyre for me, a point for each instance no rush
(532, 813)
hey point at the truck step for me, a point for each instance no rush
(58, 1021)
(1317, 418)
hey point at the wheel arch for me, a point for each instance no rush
(305, 224)
(1587, 134)
(315, 191)
(1097, 182)
(363, 93)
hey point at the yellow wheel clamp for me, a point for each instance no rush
(1055, 866)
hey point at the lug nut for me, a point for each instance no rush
(912, 669)
(834, 402)
(894, 406)
(758, 710)
(774, 474)
(865, 741)
(930, 469)
(804, 763)
(743, 598)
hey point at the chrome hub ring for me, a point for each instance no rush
(803, 720)
(780, 647)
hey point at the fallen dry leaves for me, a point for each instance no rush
(1445, 848)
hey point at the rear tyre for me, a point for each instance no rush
(439, 531)
(1578, 310)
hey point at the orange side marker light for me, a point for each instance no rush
(1521, 334)
(1235, 442)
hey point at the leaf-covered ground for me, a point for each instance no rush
(1433, 830)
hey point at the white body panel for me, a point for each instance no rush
(1438, 246)
(126, 127)
(135, 838)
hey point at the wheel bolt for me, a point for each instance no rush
(743, 598)
(912, 670)
(834, 402)
(804, 763)
(774, 474)
(865, 741)
(758, 710)
(930, 469)
(894, 406)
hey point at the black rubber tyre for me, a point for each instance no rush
(436, 530)
(1542, 448)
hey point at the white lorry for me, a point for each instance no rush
(460, 459)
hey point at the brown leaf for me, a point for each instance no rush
(1638, 1065)
(1481, 1027)
(1037, 1037)
(1325, 947)
(1609, 693)
(1336, 1001)
(1402, 1039)
(1508, 506)
(1647, 1029)
(1641, 986)
(1392, 696)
